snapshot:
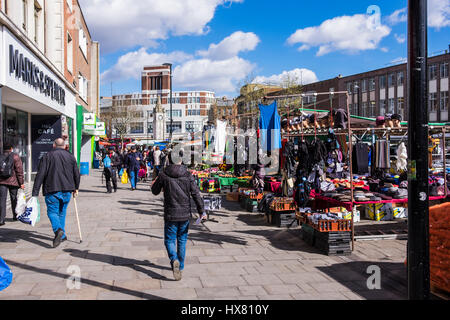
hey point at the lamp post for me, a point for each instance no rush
(171, 115)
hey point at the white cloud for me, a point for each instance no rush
(130, 65)
(398, 16)
(438, 14)
(399, 60)
(345, 33)
(401, 38)
(219, 76)
(301, 76)
(231, 46)
(121, 24)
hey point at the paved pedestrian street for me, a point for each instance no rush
(235, 255)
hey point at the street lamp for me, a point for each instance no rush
(171, 115)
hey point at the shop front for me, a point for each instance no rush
(88, 136)
(36, 105)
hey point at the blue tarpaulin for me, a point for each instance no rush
(6, 275)
(270, 127)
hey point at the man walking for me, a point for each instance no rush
(59, 176)
(133, 164)
(156, 162)
(112, 165)
(11, 178)
(179, 186)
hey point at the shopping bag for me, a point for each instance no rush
(124, 177)
(32, 213)
(121, 172)
(21, 202)
(6, 275)
(141, 173)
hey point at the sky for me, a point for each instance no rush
(218, 45)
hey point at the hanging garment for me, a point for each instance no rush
(302, 189)
(303, 156)
(383, 155)
(402, 157)
(289, 156)
(360, 158)
(269, 125)
(221, 137)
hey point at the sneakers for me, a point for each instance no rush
(58, 238)
(2, 224)
(176, 270)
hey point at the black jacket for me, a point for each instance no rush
(179, 186)
(131, 163)
(58, 171)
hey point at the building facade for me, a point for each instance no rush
(39, 100)
(383, 91)
(224, 109)
(190, 109)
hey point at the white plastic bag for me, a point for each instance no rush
(32, 214)
(21, 202)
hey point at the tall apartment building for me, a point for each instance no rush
(190, 109)
(383, 91)
(40, 99)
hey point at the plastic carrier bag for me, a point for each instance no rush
(124, 179)
(32, 214)
(6, 275)
(21, 202)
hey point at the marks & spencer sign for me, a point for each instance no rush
(26, 70)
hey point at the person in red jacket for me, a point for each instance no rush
(12, 179)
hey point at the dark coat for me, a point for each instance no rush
(179, 186)
(57, 172)
(131, 163)
(17, 177)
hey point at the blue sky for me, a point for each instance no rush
(217, 45)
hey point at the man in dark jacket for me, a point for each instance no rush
(11, 182)
(59, 176)
(133, 164)
(179, 186)
(112, 165)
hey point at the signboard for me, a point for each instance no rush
(44, 131)
(22, 71)
(89, 119)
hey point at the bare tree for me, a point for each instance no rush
(119, 119)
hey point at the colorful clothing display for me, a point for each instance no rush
(270, 127)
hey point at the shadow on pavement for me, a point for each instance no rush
(86, 281)
(284, 239)
(137, 233)
(91, 191)
(14, 235)
(119, 261)
(355, 276)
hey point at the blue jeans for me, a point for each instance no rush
(133, 178)
(175, 238)
(57, 203)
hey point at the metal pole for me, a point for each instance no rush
(418, 195)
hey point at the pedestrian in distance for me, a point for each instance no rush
(156, 162)
(178, 186)
(11, 179)
(133, 164)
(112, 164)
(59, 176)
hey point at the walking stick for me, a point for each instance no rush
(78, 219)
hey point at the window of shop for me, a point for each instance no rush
(15, 132)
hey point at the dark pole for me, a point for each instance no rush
(418, 205)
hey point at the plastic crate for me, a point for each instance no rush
(283, 204)
(308, 234)
(333, 225)
(285, 219)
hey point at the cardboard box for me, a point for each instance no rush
(379, 211)
(400, 213)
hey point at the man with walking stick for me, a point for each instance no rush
(59, 176)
